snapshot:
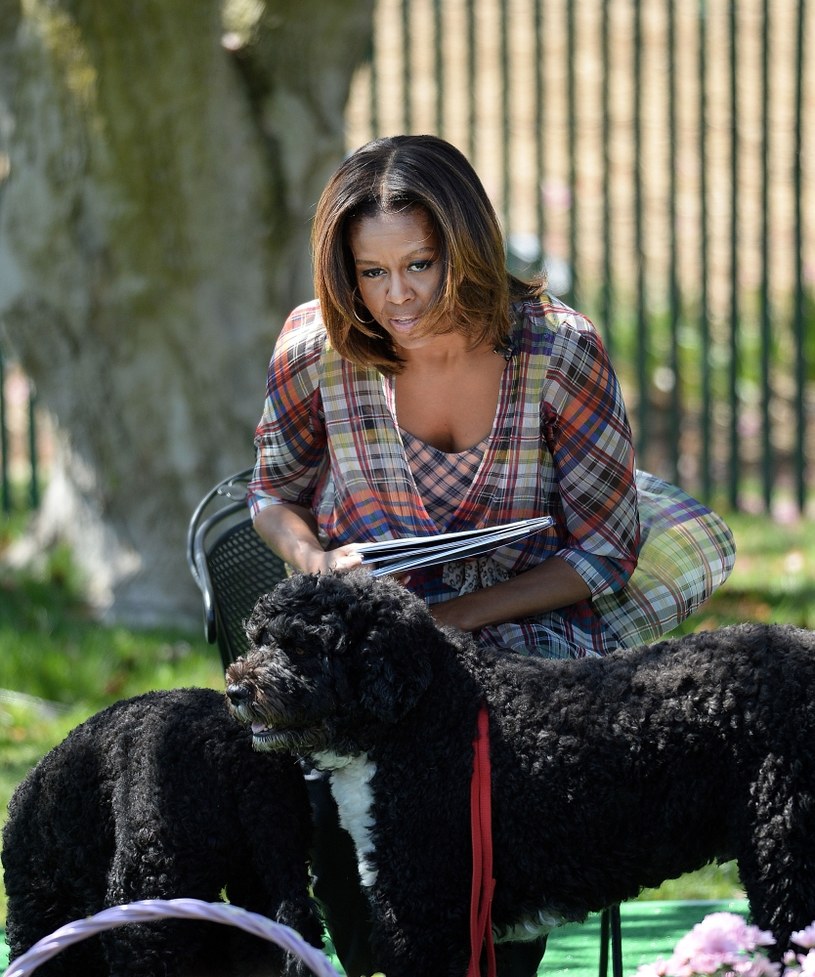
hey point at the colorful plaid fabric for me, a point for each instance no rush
(442, 479)
(561, 445)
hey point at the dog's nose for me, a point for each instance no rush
(237, 693)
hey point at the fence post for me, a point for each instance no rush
(799, 304)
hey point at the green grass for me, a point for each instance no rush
(773, 580)
(58, 666)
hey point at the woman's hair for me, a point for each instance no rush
(395, 174)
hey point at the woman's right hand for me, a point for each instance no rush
(291, 531)
(342, 558)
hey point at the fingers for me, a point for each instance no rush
(343, 558)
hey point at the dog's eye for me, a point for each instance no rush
(299, 652)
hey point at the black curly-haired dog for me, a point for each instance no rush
(609, 774)
(159, 796)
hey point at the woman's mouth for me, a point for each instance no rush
(403, 323)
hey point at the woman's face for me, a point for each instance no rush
(399, 271)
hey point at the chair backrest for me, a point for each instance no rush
(230, 563)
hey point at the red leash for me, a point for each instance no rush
(483, 884)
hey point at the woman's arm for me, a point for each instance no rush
(291, 531)
(543, 588)
(291, 448)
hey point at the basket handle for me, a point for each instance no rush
(148, 910)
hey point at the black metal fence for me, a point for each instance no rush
(656, 157)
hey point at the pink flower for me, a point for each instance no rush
(759, 966)
(805, 964)
(659, 968)
(718, 941)
(806, 937)
(725, 945)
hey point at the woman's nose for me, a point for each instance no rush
(399, 289)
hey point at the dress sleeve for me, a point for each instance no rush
(588, 434)
(290, 441)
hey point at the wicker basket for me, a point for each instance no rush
(149, 910)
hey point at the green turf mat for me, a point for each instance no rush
(650, 930)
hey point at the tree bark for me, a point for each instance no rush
(164, 161)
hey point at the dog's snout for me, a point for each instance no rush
(237, 693)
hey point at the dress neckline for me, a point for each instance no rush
(476, 449)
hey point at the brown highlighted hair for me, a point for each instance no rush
(394, 174)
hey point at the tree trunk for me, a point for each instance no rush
(165, 159)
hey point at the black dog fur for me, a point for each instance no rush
(160, 796)
(609, 775)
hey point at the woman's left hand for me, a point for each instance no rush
(546, 587)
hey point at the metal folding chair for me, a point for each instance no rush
(230, 563)
(611, 936)
(232, 567)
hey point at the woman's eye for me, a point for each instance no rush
(372, 273)
(421, 265)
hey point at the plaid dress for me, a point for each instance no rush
(442, 479)
(329, 439)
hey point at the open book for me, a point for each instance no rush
(399, 555)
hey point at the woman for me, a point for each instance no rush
(427, 390)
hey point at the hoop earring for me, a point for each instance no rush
(358, 298)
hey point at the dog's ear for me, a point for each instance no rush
(395, 676)
(394, 652)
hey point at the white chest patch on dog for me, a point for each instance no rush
(351, 787)
(529, 929)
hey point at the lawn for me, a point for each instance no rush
(58, 666)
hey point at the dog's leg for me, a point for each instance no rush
(34, 911)
(337, 887)
(778, 868)
(159, 855)
(421, 896)
(48, 881)
(272, 877)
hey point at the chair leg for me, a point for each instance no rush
(611, 932)
(604, 934)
